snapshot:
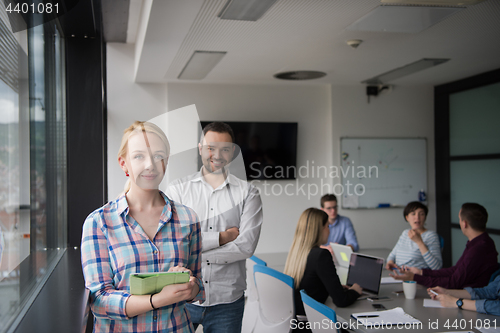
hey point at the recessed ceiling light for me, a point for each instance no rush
(405, 70)
(200, 64)
(299, 75)
(245, 10)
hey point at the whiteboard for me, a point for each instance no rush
(382, 172)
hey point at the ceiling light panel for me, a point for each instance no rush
(405, 70)
(407, 19)
(245, 10)
(200, 64)
(433, 2)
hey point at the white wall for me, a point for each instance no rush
(403, 112)
(127, 102)
(324, 114)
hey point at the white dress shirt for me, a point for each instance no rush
(235, 203)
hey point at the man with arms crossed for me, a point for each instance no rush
(477, 263)
(230, 212)
(341, 229)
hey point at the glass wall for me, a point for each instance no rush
(32, 162)
(474, 120)
(474, 157)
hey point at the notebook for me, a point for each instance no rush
(432, 303)
(387, 318)
(152, 283)
(389, 280)
(342, 254)
(365, 271)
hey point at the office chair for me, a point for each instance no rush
(276, 306)
(321, 318)
(252, 302)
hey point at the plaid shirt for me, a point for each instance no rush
(114, 245)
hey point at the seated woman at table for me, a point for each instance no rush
(312, 267)
(482, 300)
(417, 246)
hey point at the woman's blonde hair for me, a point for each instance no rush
(136, 127)
(307, 235)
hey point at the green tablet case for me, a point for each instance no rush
(152, 283)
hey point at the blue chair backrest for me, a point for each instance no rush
(258, 261)
(251, 313)
(320, 307)
(252, 262)
(276, 300)
(274, 273)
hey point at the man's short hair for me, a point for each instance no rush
(413, 206)
(326, 198)
(475, 214)
(218, 127)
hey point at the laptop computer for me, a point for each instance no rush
(365, 271)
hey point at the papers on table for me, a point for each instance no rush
(389, 279)
(388, 317)
(432, 303)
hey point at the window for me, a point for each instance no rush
(474, 156)
(32, 162)
(467, 156)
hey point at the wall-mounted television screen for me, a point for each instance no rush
(269, 150)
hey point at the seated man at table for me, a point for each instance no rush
(475, 266)
(483, 300)
(341, 229)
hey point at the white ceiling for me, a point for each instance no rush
(310, 35)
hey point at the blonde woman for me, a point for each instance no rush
(141, 231)
(312, 267)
